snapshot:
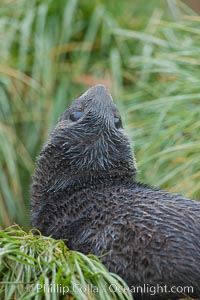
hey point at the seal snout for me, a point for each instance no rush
(99, 93)
(100, 88)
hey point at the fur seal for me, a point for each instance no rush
(85, 191)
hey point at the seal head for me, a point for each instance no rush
(87, 145)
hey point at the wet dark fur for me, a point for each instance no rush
(84, 191)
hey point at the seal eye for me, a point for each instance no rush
(76, 115)
(117, 122)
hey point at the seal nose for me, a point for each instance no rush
(100, 88)
(100, 93)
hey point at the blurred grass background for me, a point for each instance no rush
(146, 52)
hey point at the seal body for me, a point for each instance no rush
(85, 192)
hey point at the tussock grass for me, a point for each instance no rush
(146, 52)
(38, 267)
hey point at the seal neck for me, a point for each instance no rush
(87, 179)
